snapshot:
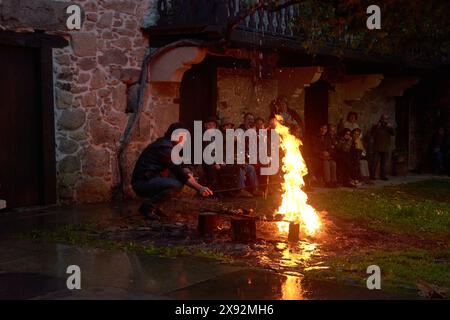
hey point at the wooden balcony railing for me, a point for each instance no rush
(180, 16)
(197, 13)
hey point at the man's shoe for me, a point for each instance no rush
(149, 213)
(384, 178)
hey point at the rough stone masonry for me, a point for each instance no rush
(95, 84)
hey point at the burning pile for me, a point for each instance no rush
(294, 205)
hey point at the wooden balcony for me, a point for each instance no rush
(189, 14)
(264, 29)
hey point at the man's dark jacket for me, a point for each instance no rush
(382, 138)
(155, 161)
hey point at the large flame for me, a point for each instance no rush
(294, 205)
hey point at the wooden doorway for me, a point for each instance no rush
(27, 158)
(198, 93)
(316, 108)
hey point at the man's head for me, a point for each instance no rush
(352, 117)
(323, 130)
(384, 118)
(356, 133)
(173, 127)
(259, 123)
(210, 123)
(226, 123)
(282, 103)
(346, 134)
(332, 129)
(249, 120)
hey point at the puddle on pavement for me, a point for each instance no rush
(265, 285)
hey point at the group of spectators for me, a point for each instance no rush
(340, 156)
(250, 182)
(248, 177)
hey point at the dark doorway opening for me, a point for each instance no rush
(27, 158)
(198, 92)
(316, 108)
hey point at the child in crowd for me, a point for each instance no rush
(361, 164)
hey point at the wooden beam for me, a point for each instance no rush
(32, 39)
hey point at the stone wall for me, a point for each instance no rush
(239, 91)
(95, 84)
(369, 108)
(93, 76)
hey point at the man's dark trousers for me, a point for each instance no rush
(156, 190)
(379, 157)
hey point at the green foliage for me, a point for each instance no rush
(414, 29)
(400, 270)
(421, 208)
(87, 235)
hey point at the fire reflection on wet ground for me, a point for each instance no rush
(273, 268)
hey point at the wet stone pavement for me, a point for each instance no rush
(268, 269)
(30, 270)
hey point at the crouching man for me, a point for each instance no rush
(157, 179)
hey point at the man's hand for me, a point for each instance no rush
(205, 192)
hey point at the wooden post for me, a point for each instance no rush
(294, 232)
(207, 223)
(243, 230)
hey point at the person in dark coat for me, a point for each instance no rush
(157, 178)
(382, 134)
(439, 148)
(211, 170)
(345, 161)
(325, 164)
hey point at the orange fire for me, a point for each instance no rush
(294, 204)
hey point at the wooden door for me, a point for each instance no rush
(21, 157)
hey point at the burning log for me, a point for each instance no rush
(207, 223)
(294, 232)
(243, 230)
